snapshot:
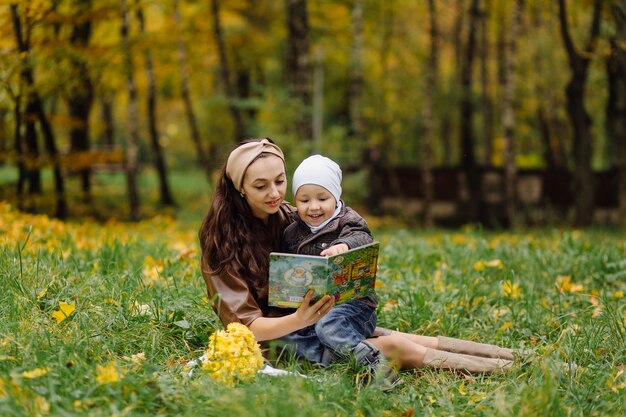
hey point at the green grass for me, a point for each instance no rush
(190, 189)
(432, 283)
(557, 292)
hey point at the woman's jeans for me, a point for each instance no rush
(335, 335)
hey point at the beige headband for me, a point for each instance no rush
(241, 157)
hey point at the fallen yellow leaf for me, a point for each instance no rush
(64, 311)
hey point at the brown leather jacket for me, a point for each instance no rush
(240, 298)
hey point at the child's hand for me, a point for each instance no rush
(335, 250)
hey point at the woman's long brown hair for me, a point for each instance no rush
(232, 239)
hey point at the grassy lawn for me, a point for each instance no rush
(100, 319)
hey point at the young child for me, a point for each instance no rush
(326, 227)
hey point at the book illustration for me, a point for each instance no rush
(349, 275)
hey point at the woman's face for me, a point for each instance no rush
(264, 186)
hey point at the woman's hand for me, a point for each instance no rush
(269, 328)
(309, 314)
(335, 250)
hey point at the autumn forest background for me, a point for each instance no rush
(440, 112)
(483, 140)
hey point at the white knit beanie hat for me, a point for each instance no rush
(318, 170)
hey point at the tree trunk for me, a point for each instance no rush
(4, 137)
(318, 101)
(225, 73)
(30, 151)
(430, 90)
(616, 116)
(508, 112)
(107, 137)
(356, 83)
(34, 111)
(486, 104)
(132, 141)
(51, 148)
(18, 148)
(579, 118)
(31, 148)
(457, 35)
(157, 150)
(80, 95)
(203, 159)
(449, 157)
(468, 158)
(375, 157)
(551, 156)
(298, 65)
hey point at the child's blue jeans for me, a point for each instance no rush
(346, 325)
(335, 334)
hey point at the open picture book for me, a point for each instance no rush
(349, 275)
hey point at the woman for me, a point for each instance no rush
(245, 223)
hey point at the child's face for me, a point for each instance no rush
(315, 204)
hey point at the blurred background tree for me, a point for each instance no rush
(416, 100)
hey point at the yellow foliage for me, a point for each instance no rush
(64, 311)
(510, 289)
(109, 373)
(564, 284)
(152, 269)
(494, 263)
(35, 373)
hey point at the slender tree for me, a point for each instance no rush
(132, 140)
(80, 87)
(578, 115)
(225, 74)
(17, 140)
(508, 111)
(298, 63)
(151, 107)
(202, 154)
(3, 133)
(30, 148)
(486, 104)
(430, 90)
(468, 158)
(375, 157)
(387, 22)
(616, 106)
(356, 83)
(107, 136)
(35, 110)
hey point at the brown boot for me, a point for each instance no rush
(453, 345)
(474, 364)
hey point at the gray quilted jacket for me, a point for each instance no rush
(348, 227)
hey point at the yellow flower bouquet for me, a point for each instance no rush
(232, 355)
